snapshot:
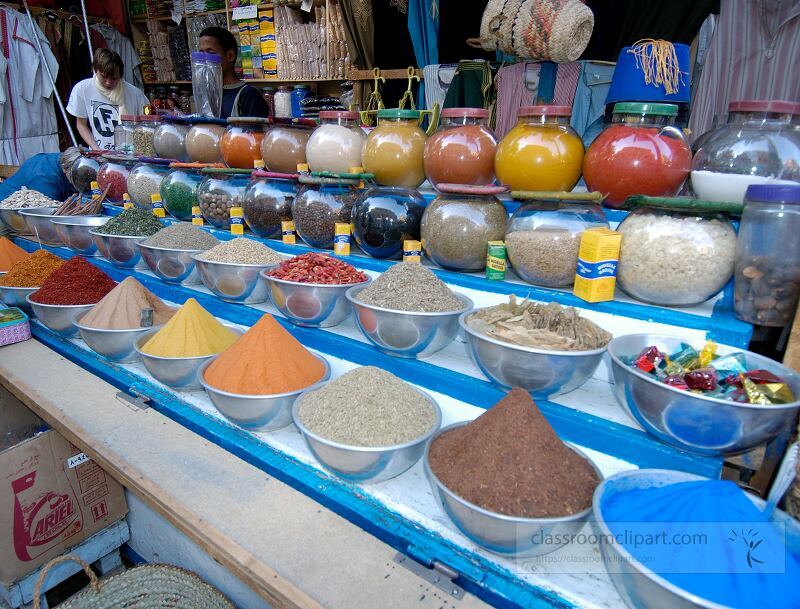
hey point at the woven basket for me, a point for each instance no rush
(152, 586)
(552, 30)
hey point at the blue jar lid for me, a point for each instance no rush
(201, 56)
(773, 193)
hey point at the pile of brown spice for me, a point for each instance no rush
(509, 460)
(31, 271)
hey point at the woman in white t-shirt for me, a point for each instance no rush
(98, 102)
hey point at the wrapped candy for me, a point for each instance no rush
(762, 376)
(754, 395)
(708, 353)
(777, 393)
(704, 379)
(648, 359)
(688, 358)
(735, 362)
(676, 381)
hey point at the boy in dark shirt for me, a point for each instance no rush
(238, 98)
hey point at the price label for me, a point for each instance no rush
(76, 460)
(244, 12)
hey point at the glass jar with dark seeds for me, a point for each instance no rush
(219, 193)
(384, 217)
(318, 207)
(83, 172)
(267, 203)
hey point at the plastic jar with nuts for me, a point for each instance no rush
(220, 191)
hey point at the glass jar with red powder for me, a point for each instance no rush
(462, 150)
(241, 143)
(113, 174)
(640, 153)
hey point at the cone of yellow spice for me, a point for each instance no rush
(192, 332)
(265, 360)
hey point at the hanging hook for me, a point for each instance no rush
(408, 96)
(375, 101)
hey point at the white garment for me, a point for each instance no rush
(26, 93)
(86, 101)
(437, 80)
(124, 47)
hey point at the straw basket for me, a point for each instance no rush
(145, 587)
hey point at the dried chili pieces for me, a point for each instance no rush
(317, 268)
(75, 282)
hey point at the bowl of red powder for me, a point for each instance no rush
(68, 293)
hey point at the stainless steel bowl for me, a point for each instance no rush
(171, 265)
(314, 305)
(237, 283)
(59, 318)
(181, 373)
(116, 345)
(17, 297)
(365, 464)
(74, 232)
(121, 251)
(499, 533)
(404, 333)
(639, 586)
(539, 371)
(40, 224)
(15, 221)
(258, 412)
(703, 425)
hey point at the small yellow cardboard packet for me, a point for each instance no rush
(598, 257)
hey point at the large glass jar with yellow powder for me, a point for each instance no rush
(542, 152)
(394, 150)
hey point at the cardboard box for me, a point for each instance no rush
(598, 256)
(52, 496)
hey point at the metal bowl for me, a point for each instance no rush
(539, 371)
(639, 586)
(406, 333)
(362, 463)
(258, 412)
(181, 373)
(116, 345)
(237, 283)
(171, 265)
(119, 250)
(17, 297)
(15, 221)
(40, 224)
(74, 232)
(499, 533)
(703, 425)
(314, 305)
(59, 318)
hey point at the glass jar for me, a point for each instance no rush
(283, 102)
(335, 145)
(269, 97)
(673, 257)
(113, 174)
(384, 217)
(760, 144)
(393, 151)
(203, 140)
(462, 150)
(185, 101)
(767, 280)
(459, 223)
(639, 153)
(541, 152)
(284, 145)
(145, 180)
(268, 202)
(544, 236)
(179, 189)
(220, 190)
(299, 93)
(84, 170)
(143, 134)
(169, 139)
(320, 204)
(123, 134)
(241, 144)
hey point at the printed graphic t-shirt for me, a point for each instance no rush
(87, 102)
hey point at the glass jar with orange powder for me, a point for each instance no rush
(542, 152)
(241, 143)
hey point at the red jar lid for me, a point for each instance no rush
(545, 111)
(149, 118)
(128, 117)
(339, 114)
(465, 113)
(764, 105)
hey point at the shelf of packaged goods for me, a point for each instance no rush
(219, 11)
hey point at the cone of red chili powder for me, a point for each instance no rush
(75, 282)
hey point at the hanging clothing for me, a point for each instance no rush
(80, 65)
(589, 106)
(29, 120)
(359, 30)
(123, 46)
(102, 114)
(471, 87)
(437, 80)
(753, 55)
